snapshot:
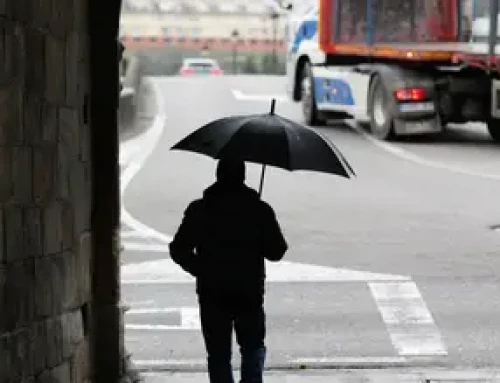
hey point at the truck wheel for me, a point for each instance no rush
(311, 114)
(494, 129)
(381, 120)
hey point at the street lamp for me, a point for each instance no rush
(274, 18)
(235, 34)
(205, 50)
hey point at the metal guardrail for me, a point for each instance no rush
(131, 80)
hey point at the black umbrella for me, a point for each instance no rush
(267, 139)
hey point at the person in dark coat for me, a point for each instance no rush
(223, 241)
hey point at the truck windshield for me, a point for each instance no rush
(480, 8)
(477, 16)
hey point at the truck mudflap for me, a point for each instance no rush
(417, 118)
(417, 126)
(495, 99)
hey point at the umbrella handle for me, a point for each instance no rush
(263, 172)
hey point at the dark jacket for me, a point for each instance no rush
(224, 238)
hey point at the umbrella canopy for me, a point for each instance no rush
(267, 139)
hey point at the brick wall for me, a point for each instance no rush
(44, 192)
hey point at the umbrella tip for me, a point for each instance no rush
(273, 104)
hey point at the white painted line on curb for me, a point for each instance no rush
(143, 147)
(155, 310)
(157, 327)
(168, 362)
(408, 320)
(152, 327)
(306, 361)
(147, 302)
(352, 360)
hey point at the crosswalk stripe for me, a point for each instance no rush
(132, 234)
(407, 318)
(141, 246)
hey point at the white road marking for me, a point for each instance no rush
(400, 316)
(369, 376)
(147, 302)
(133, 234)
(168, 362)
(148, 247)
(156, 327)
(239, 95)
(142, 147)
(338, 361)
(352, 360)
(407, 318)
(153, 310)
(412, 157)
(189, 319)
(165, 271)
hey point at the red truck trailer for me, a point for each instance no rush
(403, 67)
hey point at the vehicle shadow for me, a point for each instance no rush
(454, 135)
(343, 127)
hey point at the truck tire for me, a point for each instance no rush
(494, 129)
(381, 119)
(312, 116)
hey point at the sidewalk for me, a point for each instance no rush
(345, 376)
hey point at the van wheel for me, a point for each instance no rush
(379, 110)
(312, 116)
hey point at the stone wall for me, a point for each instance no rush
(44, 192)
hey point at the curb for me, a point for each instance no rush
(382, 363)
(346, 375)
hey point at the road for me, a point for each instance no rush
(397, 267)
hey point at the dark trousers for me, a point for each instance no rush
(219, 315)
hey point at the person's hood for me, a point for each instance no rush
(228, 192)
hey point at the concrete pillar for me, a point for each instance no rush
(107, 336)
(45, 179)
